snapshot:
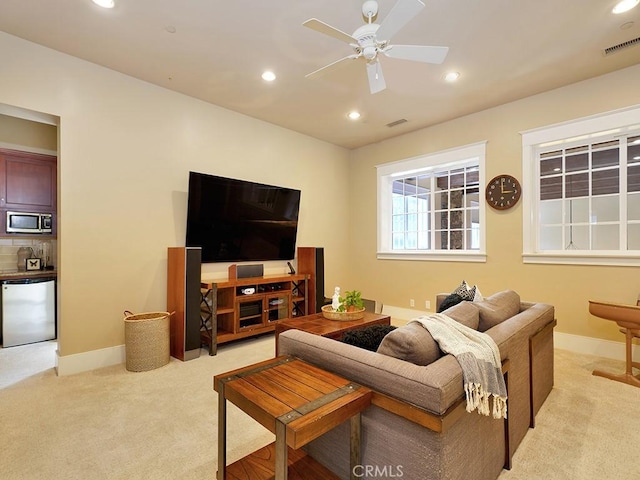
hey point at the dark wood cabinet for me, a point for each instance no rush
(28, 183)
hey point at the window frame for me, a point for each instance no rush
(621, 122)
(388, 172)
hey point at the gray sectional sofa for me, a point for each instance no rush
(417, 426)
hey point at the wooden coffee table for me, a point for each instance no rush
(298, 402)
(318, 325)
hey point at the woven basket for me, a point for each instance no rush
(146, 339)
(327, 312)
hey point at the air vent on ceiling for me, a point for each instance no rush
(397, 122)
(621, 46)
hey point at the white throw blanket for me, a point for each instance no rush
(479, 358)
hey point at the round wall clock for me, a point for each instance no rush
(503, 192)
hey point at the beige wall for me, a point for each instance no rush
(27, 135)
(125, 149)
(567, 287)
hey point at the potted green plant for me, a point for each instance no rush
(352, 301)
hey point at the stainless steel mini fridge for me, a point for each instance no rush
(28, 311)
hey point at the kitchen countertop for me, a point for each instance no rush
(16, 275)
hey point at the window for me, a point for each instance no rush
(583, 180)
(429, 207)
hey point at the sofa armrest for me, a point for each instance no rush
(439, 299)
(435, 387)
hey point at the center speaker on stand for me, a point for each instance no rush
(246, 271)
(311, 261)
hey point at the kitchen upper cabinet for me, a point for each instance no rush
(28, 181)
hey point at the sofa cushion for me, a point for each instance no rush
(412, 343)
(369, 337)
(466, 313)
(497, 308)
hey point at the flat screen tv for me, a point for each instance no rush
(237, 221)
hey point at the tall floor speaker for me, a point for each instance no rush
(311, 261)
(183, 298)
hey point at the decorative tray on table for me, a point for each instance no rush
(329, 313)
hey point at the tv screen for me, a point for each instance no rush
(236, 221)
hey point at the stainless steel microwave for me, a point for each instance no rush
(23, 222)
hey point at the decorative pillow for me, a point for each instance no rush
(464, 291)
(466, 313)
(412, 343)
(450, 301)
(478, 296)
(368, 338)
(497, 308)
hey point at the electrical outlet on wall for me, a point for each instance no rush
(412, 303)
(427, 304)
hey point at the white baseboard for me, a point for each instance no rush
(86, 361)
(593, 346)
(565, 341)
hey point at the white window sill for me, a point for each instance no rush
(440, 256)
(562, 258)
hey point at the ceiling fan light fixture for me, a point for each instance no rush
(625, 6)
(105, 3)
(268, 76)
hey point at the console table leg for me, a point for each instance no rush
(222, 432)
(356, 427)
(281, 451)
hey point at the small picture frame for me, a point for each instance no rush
(33, 264)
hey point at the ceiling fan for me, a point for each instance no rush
(373, 39)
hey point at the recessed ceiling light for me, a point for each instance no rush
(105, 3)
(625, 6)
(170, 29)
(353, 115)
(452, 76)
(268, 76)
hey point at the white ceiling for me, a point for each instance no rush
(503, 49)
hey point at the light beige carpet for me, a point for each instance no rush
(589, 427)
(114, 424)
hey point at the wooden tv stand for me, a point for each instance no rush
(230, 312)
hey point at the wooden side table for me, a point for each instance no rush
(298, 402)
(628, 319)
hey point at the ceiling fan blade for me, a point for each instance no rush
(417, 53)
(398, 17)
(332, 66)
(376, 79)
(319, 26)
